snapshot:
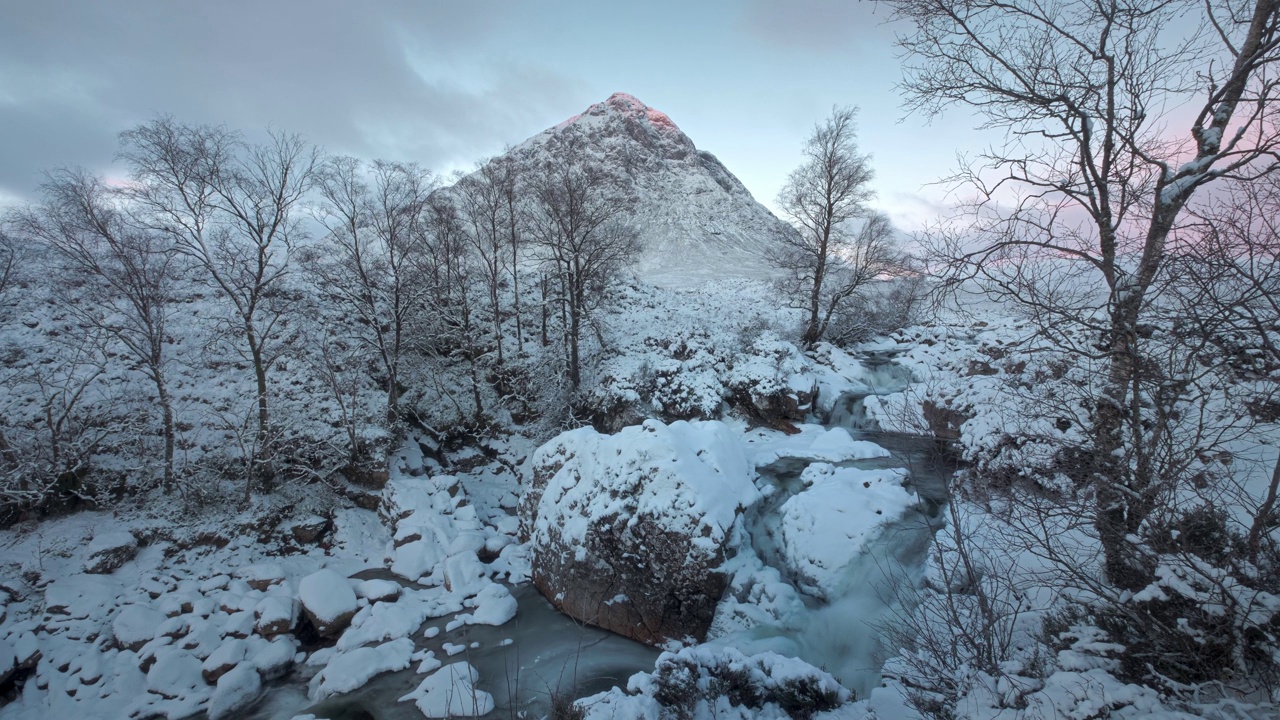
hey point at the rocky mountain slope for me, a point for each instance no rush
(696, 219)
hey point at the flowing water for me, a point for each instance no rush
(542, 651)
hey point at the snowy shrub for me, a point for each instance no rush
(884, 308)
(698, 677)
(1212, 614)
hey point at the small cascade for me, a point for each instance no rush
(842, 633)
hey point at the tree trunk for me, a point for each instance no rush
(260, 463)
(575, 330)
(515, 294)
(166, 411)
(1118, 488)
(497, 316)
(393, 398)
(545, 340)
(812, 332)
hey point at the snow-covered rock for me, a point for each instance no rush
(774, 382)
(628, 531)
(495, 605)
(8, 661)
(351, 670)
(308, 530)
(273, 659)
(81, 596)
(235, 692)
(378, 590)
(261, 576)
(135, 625)
(175, 674)
(328, 601)
(827, 526)
(109, 551)
(451, 692)
(275, 614)
(221, 661)
(464, 574)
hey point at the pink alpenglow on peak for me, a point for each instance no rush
(624, 104)
(631, 104)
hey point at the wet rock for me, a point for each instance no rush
(109, 551)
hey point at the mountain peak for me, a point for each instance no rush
(627, 106)
(694, 217)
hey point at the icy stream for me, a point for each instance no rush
(542, 651)
(842, 634)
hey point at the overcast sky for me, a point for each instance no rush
(447, 83)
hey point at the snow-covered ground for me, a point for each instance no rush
(421, 606)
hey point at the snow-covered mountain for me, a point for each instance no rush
(695, 218)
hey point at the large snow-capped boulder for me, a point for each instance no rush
(629, 531)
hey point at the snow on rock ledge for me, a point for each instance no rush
(629, 530)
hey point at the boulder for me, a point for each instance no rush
(275, 615)
(109, 551)
(221, 661)
(261, 576)
(8, 661)
(774, 383)
(309, 530)
(378, 590)
(135, 626)
(629, 531)
(274, 659)
(235, 692)
(328, 602)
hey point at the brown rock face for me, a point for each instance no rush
(634, 581)
(944, 420)
(329, 629)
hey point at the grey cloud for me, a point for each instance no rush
(347, 75)
(818, 26)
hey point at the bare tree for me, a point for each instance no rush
(367, 260)
(129, 273)
(483, 201)
(1093, 179)
(230, 206)
(830, 259)
(450, 269)
(578, 220)
(507, 175)
(1227, 270)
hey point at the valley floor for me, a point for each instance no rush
(421, 605)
